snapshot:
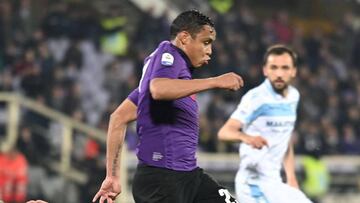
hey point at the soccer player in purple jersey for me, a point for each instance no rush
(168, 120)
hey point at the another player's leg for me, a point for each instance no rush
(246, 193)
(283, 194)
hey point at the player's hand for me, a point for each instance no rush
(257, 142)
(36, 201)
(109, 190)
(231, 81)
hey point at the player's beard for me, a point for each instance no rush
(279, 88)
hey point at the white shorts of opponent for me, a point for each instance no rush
(275, 192)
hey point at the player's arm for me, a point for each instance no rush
(231, 131)
(170, 89)
(289, 166)
(124, 114)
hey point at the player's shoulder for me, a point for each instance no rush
(167, 54)
(166, 47)
(255, 95)
(258, 92)
(254, 92)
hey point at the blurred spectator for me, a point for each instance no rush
(355, 53)
(221, 6)
(72, 103)
(6, 81)
(56, 23)
(34, 119)
(115, 39)
(57, 97)
(350, 142)
(26, 20)
(2, 35)
(34, 147)
(311, 138)
(13, 176)
(332, 137)
(207, 140)
(282, 28)
(46, 63)
(32, 82)
(73, 55)
(317, 178)
(6, 23)
(26, 64)
(313, 49)
(154, 27)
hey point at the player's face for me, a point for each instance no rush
(280, 70)
(199, 48)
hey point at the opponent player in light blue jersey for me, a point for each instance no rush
(263, 123)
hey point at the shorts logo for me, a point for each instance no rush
(157, 156)
(167, 59)
(226, 194)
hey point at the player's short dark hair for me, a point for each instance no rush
(280, 49)
(191, 21)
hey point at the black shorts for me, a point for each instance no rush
(159, 185)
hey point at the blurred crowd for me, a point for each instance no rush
(83, 59)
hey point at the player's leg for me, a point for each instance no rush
(246, 193)
(210, 191)
(283, 194)
(158, 185)
(150, 185)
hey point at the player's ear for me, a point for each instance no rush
(184, 37)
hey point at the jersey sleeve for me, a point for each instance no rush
(134, 96)
(167, 65)
(247, 109)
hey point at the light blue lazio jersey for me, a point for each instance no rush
(264, 112)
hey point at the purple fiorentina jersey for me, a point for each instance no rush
(133, 96)
(168, 130)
